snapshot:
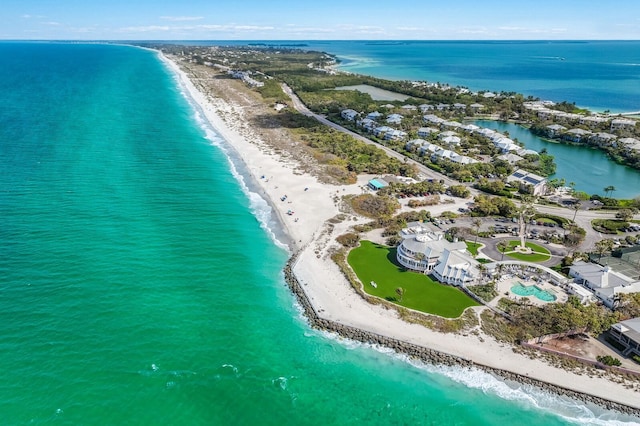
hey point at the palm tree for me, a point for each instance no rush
(400, 292)
(476, 223)
(609, 189)
(525, 213)
(502, 247)
(603, 246)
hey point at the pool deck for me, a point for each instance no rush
(506, 281)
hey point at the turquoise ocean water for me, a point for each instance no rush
(140, 276)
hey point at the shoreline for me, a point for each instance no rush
(329, 301)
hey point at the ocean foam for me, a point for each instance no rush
(258, 205)
(528, 396)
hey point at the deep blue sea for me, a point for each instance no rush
(140, 281)
(599, 75)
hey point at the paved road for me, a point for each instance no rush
(302, 108)
(583, 218)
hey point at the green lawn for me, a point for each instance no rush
(473, 247)
(541, 254)
(374, 262)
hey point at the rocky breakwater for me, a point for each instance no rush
(431, 356)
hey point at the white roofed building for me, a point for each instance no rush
(424, 250)
(529, 182)
(604, 282)
(628, 334)
(349, 114)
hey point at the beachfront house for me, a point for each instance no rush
(528, 182)
(627, 333)
(424, 250)
(605, 283)
(456, 268)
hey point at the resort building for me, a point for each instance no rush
(423, 132)
(456, 268)
(414, 144)
(395, 135)
(622, 124)
(349, 114)
(605, 283)
(428, 149)
(576, 135)
(529, 182)
(554, 130)
(429, 252)
(627, 333)
(631, 144)
(510, 158)
(367, 124)
(394, 118)
(374, 115)
(603, 139)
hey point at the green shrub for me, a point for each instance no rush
(608, 226)
(609, 360)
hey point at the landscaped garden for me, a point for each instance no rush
(381, 275)
(537, 253)
(473, 247)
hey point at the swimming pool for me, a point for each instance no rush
(533, 290)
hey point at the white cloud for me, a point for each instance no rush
(181, 18)
(410, 29)
(201, 27)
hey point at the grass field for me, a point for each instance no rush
(377, 263)
(473, 247)
(540, 254)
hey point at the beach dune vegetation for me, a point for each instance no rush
(374, 206)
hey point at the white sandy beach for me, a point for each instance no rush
(312, 204)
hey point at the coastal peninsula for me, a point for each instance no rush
(312, 208)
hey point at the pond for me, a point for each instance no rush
(590, 169)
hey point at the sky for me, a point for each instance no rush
(319, 20)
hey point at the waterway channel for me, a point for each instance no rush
(590, 169)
